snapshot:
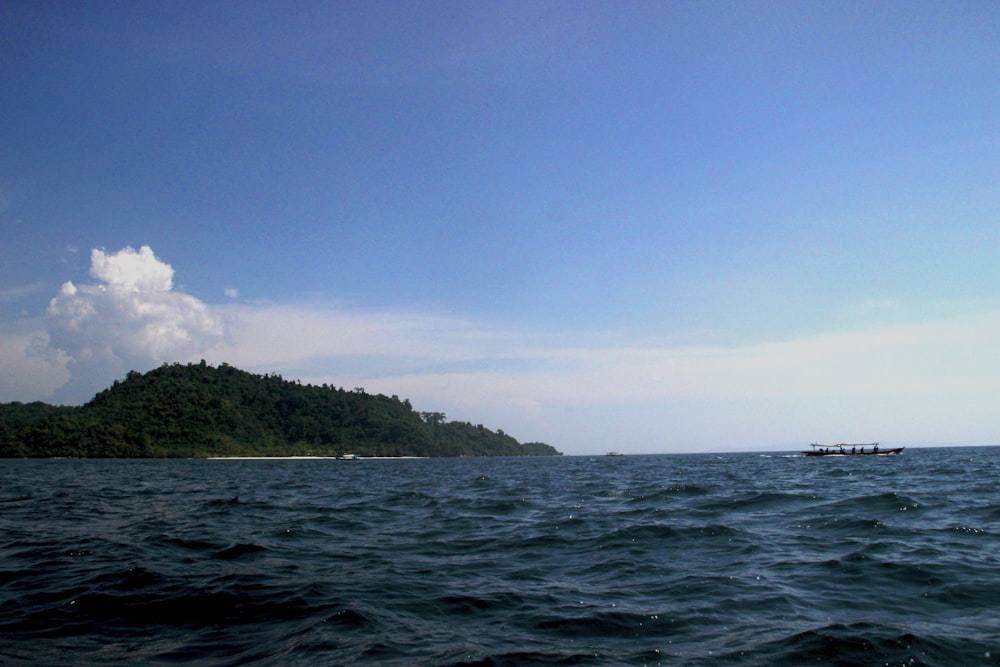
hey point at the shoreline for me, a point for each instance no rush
(309, 458)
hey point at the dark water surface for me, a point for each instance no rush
(736, 559)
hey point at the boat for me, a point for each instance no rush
(613, 454)
(851, 449)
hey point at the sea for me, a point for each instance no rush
(697, 559)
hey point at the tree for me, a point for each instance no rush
(197, 410)
(433, 418)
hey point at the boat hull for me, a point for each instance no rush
(881, 452)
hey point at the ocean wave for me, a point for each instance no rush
(723, 560)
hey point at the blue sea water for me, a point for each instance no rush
(731, 559)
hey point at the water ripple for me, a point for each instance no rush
(692, 560)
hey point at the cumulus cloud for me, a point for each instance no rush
(29, 371)
(131, 271)
(131, 318)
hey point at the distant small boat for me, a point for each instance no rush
(614, 454)
(851, 449)
(349, 457)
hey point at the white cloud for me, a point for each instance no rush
(289, 336)
(961, 354)
(131, 319)
(131, 271)
(908, 383)
(11, 294)
(28, 372)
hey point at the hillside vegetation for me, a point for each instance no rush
(197, 410)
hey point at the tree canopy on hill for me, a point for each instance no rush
(197, 410)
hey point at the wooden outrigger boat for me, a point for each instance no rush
(851, 449)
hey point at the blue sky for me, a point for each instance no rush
(637, 226)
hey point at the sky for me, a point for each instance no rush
(634, 226)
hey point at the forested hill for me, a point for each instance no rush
(198, 410)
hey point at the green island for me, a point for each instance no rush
(198, 410)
